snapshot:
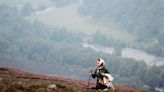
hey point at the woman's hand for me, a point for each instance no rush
(103, 74)
(90, 72)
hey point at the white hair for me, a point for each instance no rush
(101, 62)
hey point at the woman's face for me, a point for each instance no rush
(97, 63)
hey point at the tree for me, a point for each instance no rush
(27, 9)
(153, 76)
(99, 38)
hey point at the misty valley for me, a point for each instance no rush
(65, 37)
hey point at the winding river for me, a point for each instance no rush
(135, 54)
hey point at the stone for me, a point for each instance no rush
(52, 86)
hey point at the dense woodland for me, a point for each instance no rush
(143, 19)
(21, 39)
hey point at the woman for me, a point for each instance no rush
(103, 77)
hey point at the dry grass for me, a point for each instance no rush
(12, 80)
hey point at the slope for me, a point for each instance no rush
(19, 81)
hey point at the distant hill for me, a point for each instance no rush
(20, 81)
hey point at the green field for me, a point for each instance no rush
(69, 18)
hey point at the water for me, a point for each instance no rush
(99, 48)
(135, 54)
(140, 55)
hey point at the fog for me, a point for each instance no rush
(65, 37)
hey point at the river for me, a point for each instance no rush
(127, 52)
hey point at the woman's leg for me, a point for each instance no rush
(110, 85)
(101, 86)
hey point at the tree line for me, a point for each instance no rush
(34, 41)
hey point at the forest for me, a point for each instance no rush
(33, 41)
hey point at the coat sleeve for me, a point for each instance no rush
(106, 71)
(95, 74)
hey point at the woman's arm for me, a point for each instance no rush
(94, 75)
(104, 71)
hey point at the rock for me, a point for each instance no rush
(19, 83)
(52, 86)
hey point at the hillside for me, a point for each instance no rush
(30, 46)
(19, 81)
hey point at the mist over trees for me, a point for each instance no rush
(21, 39)
(143, 18)
(134, 16)
(61, 3)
